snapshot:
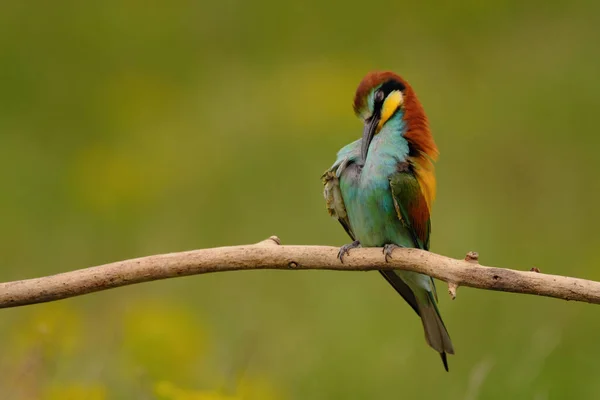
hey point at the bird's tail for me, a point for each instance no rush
(436, 333)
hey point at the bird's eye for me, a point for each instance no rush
(379, 95)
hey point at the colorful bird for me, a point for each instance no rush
(382, 186)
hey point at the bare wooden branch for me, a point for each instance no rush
(269, 254)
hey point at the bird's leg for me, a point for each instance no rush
(345, 249)
(388, 249)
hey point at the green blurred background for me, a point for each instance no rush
(131, 128)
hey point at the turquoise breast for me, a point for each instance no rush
(367, 193)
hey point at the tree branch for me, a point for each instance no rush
(269, 254)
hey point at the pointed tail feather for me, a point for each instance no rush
(445, 361)
(419, 291)
(436, 333)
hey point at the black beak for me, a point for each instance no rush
(368, 133)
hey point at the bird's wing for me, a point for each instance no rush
(334, 200)
(411, 206)
(413, 210)
(331, 181)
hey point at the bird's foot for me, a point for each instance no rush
(388, 249)
(345, 250)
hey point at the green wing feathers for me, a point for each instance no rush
(411, 207)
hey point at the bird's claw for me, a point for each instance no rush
(388, 249)
(345, 250)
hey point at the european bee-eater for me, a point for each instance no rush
(381, 188)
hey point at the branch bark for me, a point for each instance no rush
(269, 254)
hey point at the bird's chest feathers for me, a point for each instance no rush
(367, 194)
(380, 164)
(373, 194)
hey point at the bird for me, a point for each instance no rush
(381, 188)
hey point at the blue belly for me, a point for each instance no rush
(371, 210)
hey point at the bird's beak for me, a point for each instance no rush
(368, 133)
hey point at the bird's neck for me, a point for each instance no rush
(389, 145)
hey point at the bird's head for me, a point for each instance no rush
(379, 97)
(382, 96)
